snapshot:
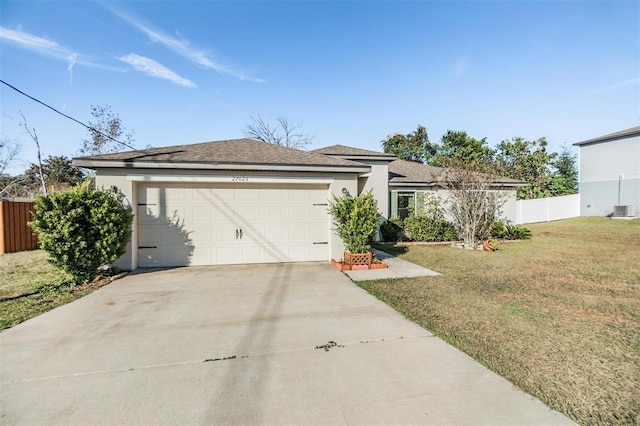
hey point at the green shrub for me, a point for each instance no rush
(83, 229)
(356, 219)
(510, 232)
(424, 228)
(391, 230)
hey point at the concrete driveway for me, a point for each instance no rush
(151, 349)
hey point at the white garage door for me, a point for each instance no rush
(217, 225)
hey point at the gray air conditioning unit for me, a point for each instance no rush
(624, 211)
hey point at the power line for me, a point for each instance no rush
(92, 129)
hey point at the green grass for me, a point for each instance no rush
(25, 273)
(558, 315)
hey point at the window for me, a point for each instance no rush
(406, 203)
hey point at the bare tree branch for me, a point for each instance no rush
(475, 199)
(285, 133)
(9, 149)
(32, 133)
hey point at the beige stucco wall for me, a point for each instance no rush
(508, 209)
(378, 183)
(125, 181)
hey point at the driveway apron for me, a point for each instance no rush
(260, 344)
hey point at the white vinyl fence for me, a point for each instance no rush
(547, 209)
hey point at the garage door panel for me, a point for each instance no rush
(272, 195)
(202, 214)
(198, 224)
(318, 214)
(273, 233)
(318, 252)
(225, 255)
(273, 213)
(249, 194)
(150, 235)
(178, 255)
(201, 235)
(297, 213)
(201, 196)
(317, 233)
(296, 195)
(202, 255)
(224, 196)
(297, 233)
(150, 257)
(172, 194)
(249, 214)
(148, 214)
(225, 234)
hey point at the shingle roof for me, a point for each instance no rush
(245, 152)
(351, 152)
(402, 171)
(409, 172)
(615, 135)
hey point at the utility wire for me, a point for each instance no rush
(92, 129)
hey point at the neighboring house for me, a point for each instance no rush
(244, 201)
(609, 168)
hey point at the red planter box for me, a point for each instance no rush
(342, 267)
(378, 266)
(359, 267)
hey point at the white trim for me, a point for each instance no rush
(236, 178)
(111, 164)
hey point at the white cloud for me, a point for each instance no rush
(623, 84)
(155, 69)
(183, 48)
(46, 47)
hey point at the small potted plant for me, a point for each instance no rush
(356, 219)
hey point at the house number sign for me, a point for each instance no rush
(240, 179)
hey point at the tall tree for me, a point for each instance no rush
(57, 171)
(414, 146)
(284, 133)
(564, 178)
(108, 134)
(528, 161)
(463, 149)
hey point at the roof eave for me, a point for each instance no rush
(438, 183)
(389, 158)
(611, 137)
(120, 164)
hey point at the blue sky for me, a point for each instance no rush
(352, 72)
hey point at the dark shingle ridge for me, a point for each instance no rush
(233, 151)
(402, 171)
(342, 150)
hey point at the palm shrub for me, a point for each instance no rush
(508, 231)
(83, 229)
(356, 220)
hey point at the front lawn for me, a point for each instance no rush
(29, 286)
(558, 315)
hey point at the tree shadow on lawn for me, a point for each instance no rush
(395, 249)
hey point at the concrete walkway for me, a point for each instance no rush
(398, 268)
(245, 345)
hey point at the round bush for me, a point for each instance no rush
(83, 229)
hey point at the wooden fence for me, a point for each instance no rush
(15, 234)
